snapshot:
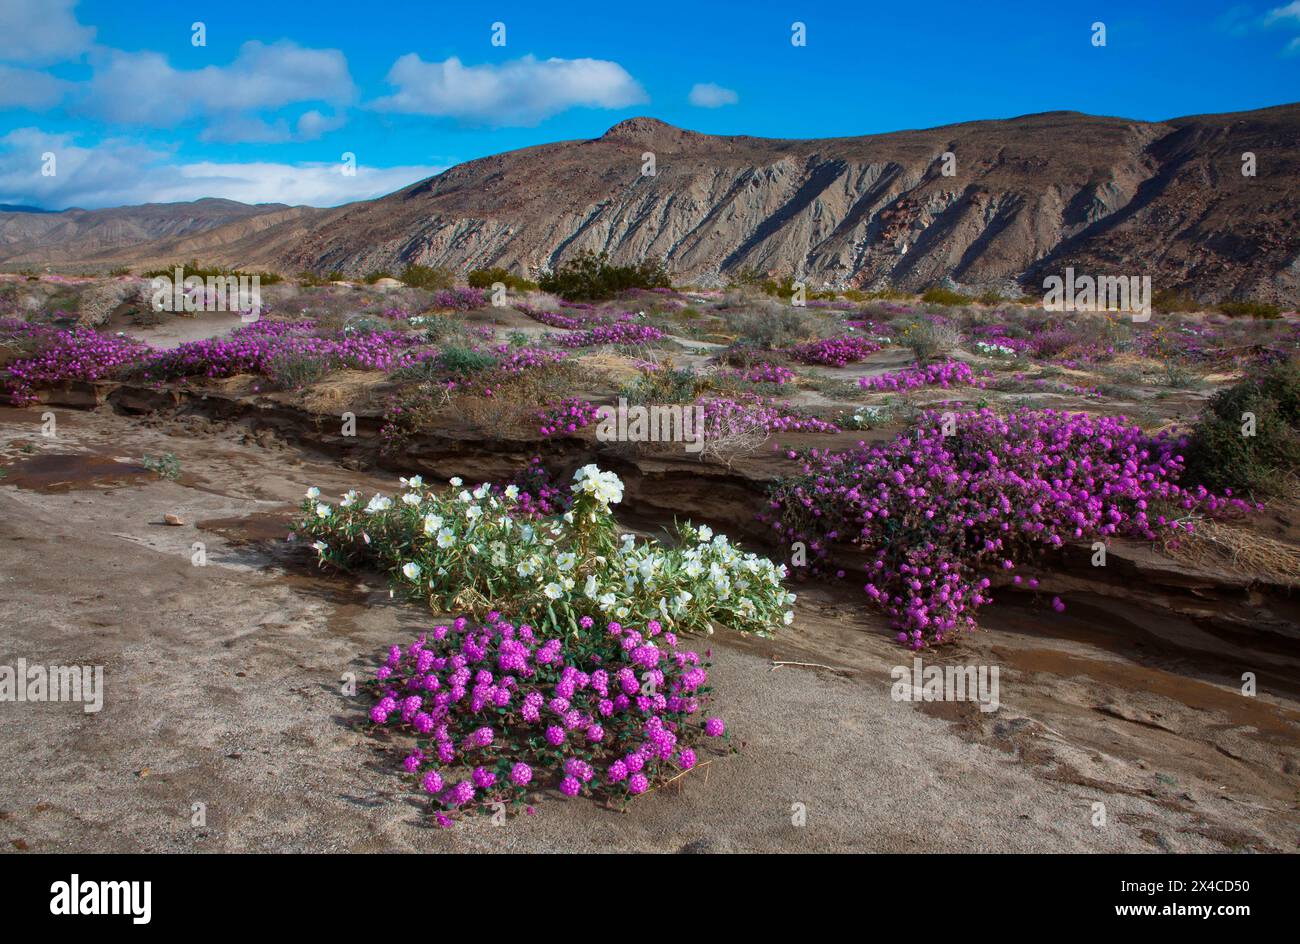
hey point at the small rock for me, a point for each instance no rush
(171, 519)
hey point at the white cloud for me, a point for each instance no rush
(142, 88)
(249, 129)
(27, 88)
(41, 31)
(1287, 16)
(1280, 14)
(522, 92)
(118, 173)
(711, 95)
(312, 124)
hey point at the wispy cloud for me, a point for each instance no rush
(518, 93)
(1281, 14)
(117, 172)
(1286, 17)
(711, 95)
(42, 31)
(28, 88)
(144, 89)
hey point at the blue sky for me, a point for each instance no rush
(134, 111)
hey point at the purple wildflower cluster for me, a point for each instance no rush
(460, 298)
(834, 352)
(945, 374)
(567, 416)
(934, 510)
(539, 496)
(78, 354)
(760, 373)
(516, 360)
(723, 413)
(498, 713)
(253, 349)
(617, 332)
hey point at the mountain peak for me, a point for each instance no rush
(646, 130)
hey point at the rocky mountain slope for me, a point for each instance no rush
(1026, 197)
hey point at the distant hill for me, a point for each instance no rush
(30, 236)
(1028, 196)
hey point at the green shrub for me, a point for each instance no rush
(486, 278)
(361, 324)
(1170, 300)
(292, 371)
(1222, 455)
(766, 324)
(1250, 309)
(462, 361)
(427, 277)
(668, 384)
(936, 295)
(167, 465)
(309, 279)
(591, 277)
(204, 271)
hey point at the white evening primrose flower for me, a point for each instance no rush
(512, 492)
(313, 493)
(589, 589)
(482, 491)
(415, 481)
(605, 487)
(607, 602)
(622, 612)
(411, 571)
(465, 496)
(431, 524)
(321, 547)
(323, 510)
(348, 500)
(704, 533)
(693, 569)
(566, 560)
(788, 618)
(455, 481)
(379, 503)
(552, 591)
(446, 538)
(410, 498)
(473, 512)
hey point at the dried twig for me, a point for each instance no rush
(777, 663)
